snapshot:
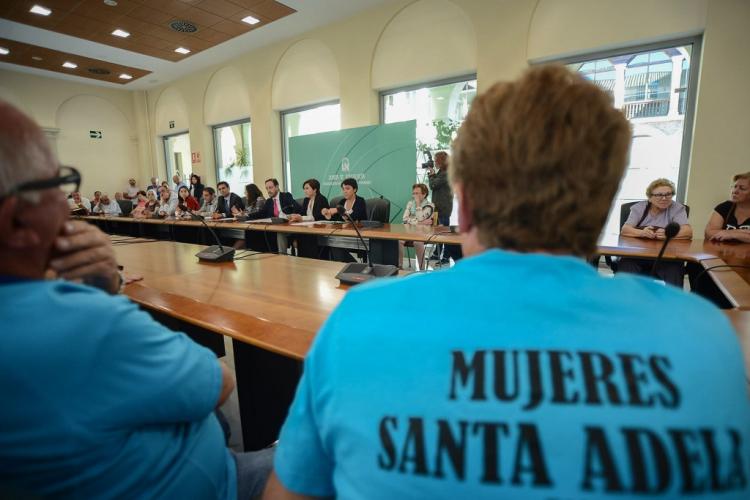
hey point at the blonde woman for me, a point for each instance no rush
(647, 220)
(417, 212)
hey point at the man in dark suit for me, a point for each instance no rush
(278, 204)
(227, 200)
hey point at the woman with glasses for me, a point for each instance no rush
(730, 220)
(647, 220)
(418, 211)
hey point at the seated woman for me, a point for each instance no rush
(152, 203)
(313, 204)
(312, 208)
(730, 220)
(354, 208)
(186, 203)
(648, 219)
(417, 212)
(253, 202)
(167, 203)
(139, 205)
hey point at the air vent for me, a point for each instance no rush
(183, 26)
(99, 71)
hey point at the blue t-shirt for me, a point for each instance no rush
(529, 376)
(100, 401)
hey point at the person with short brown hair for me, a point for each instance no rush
(520, 372)
(730, 220)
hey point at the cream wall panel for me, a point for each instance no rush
(171, 107)
(427, 40)
(306, 74)
(579, 26)
(43, 96)
(721, 143)
(106, 163)
(226, 97)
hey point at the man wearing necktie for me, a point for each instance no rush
(279, 204)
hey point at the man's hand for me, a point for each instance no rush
(295, 217)
(83, 252)
(236, 211)
(216, 215)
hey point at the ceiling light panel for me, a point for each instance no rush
(42, 11)
(121, 33)
(70, 65)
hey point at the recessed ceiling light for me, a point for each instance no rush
(4, 51)
(111, 3)
(121, 33)
(125, 76)
(70, 65)
(250, 20)
(182, 50)
(36, 58)
(42, 11)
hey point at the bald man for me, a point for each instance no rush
(99, 400)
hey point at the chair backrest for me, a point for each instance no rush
(625, 211)
(336, 200)
(300, 201)
(126, 206)
(378, 209)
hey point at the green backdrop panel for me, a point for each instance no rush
(380, 157)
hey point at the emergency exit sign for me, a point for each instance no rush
(95, 134)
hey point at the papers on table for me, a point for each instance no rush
(314, 223)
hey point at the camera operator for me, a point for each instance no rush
(442, 197)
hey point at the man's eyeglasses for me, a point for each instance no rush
(68, 180)
(663, 196)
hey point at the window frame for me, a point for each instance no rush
(695, 61)
(423, 85)
(164, 139)
(286, 174)
(217, 160)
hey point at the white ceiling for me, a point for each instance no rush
(310, 14)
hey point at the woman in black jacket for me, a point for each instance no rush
(312, 210)
(354, 206)
(195, 187)
(314, 203)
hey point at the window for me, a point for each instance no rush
(655, 88)
(302, 121)
(234, 154)
(177, 156)
(439, 109)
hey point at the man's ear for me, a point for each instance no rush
(14, 233)
(465, 220)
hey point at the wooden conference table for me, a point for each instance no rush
(271, 306)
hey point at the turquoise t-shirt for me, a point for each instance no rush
(523, 376)
(100, 401)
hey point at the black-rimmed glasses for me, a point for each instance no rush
(68, 180)
(664, 196)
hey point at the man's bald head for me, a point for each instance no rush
(25, 154)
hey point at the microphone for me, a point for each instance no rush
(354, 272)
(214, 253)
(669, 232)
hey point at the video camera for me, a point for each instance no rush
(430, 163)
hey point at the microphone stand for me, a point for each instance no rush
(669, 232)
(214, 253)
(355, 272)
